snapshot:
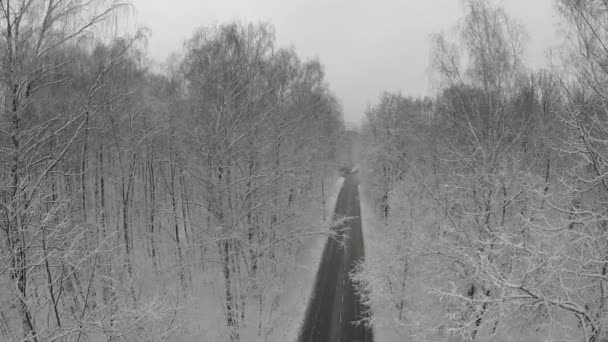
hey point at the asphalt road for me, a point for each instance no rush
(335, 306)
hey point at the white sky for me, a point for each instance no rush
(366, 46)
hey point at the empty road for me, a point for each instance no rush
(335, 306)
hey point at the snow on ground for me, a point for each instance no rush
(372, 230)
(197, 315)
(291, 306)
(302, 281)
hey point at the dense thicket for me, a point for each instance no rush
(493, 193)
(125, 193)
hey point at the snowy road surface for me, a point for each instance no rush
(335, 307)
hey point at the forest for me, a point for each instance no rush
(190, 200)
(487, 201)
(140, 203)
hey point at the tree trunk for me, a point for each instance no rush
(15, 229)
(152, 179)
(231, 315)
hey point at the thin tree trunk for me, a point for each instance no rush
(152, 178)
(50, 278)
(83, 170)
(184, 204)
(107, 292)
(175, 215)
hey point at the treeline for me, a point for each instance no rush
(124, 192)
(493, 193)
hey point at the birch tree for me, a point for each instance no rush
(47, 260)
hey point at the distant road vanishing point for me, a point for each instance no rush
(335, 307)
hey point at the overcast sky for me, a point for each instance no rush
(366, 46)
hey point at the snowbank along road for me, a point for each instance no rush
(335, 308)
